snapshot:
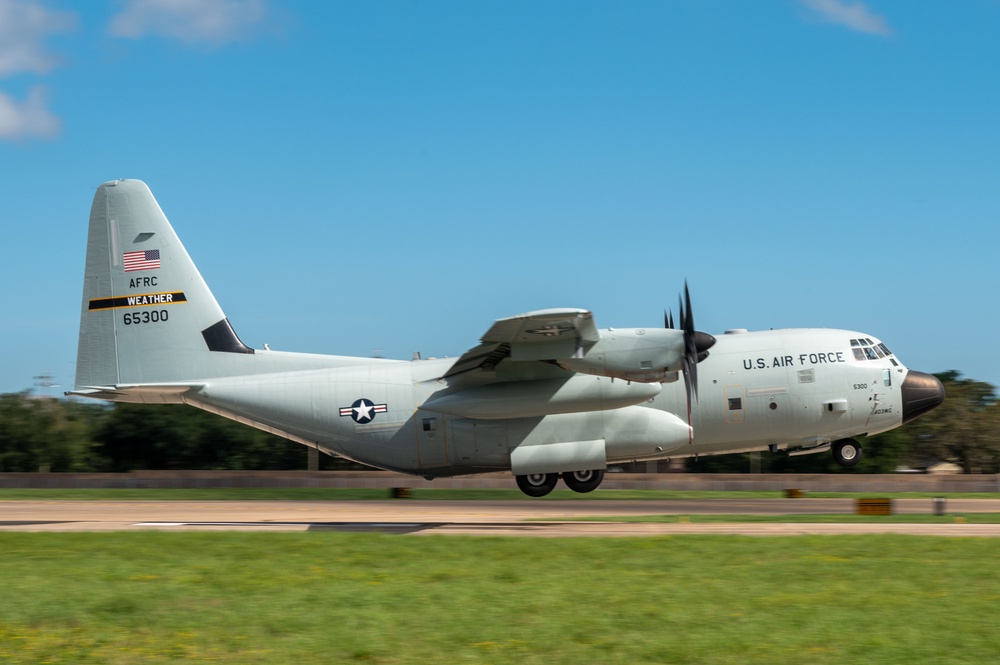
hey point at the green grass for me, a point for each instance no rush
(332, 494)
(321, 597)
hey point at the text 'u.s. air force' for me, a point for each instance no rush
(820, 358)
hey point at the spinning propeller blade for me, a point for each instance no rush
(696, 344)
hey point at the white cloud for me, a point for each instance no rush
(214, 21)
(854, 15)
(30, 118)
(23, 29)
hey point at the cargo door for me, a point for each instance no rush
(432, 444)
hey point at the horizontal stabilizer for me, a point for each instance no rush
(148, 393)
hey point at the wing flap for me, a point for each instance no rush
(543, 326)
(485, 356)
(547, 334)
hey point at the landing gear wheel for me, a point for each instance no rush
(537, 484)
(583, 481)
(847, 452)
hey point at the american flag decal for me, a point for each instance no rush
(144, 260)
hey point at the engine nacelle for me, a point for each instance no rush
(645, 355)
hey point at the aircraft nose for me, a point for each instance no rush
(921, 393)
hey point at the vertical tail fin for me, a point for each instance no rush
(147, 315)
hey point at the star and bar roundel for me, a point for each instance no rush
(363, 410)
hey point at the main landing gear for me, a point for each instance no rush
(583, 481)
(540, 484)
(846, 452)
(537, 484)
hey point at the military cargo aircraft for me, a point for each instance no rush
(545, 394)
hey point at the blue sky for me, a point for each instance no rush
(383, 177)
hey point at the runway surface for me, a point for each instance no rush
(508, 518)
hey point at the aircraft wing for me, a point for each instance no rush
(545, 334)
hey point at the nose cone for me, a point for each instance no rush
(921, 393)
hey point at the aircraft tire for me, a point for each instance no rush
(537, 484)
(846, 452)
(583, 481)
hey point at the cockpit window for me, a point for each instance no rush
(866, 349)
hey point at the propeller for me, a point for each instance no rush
(696, 345)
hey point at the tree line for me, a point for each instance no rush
(71, 435)
(39, 433)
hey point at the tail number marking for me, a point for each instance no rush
(145, 316)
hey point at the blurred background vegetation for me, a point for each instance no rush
(39, 432)
(73, 435)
